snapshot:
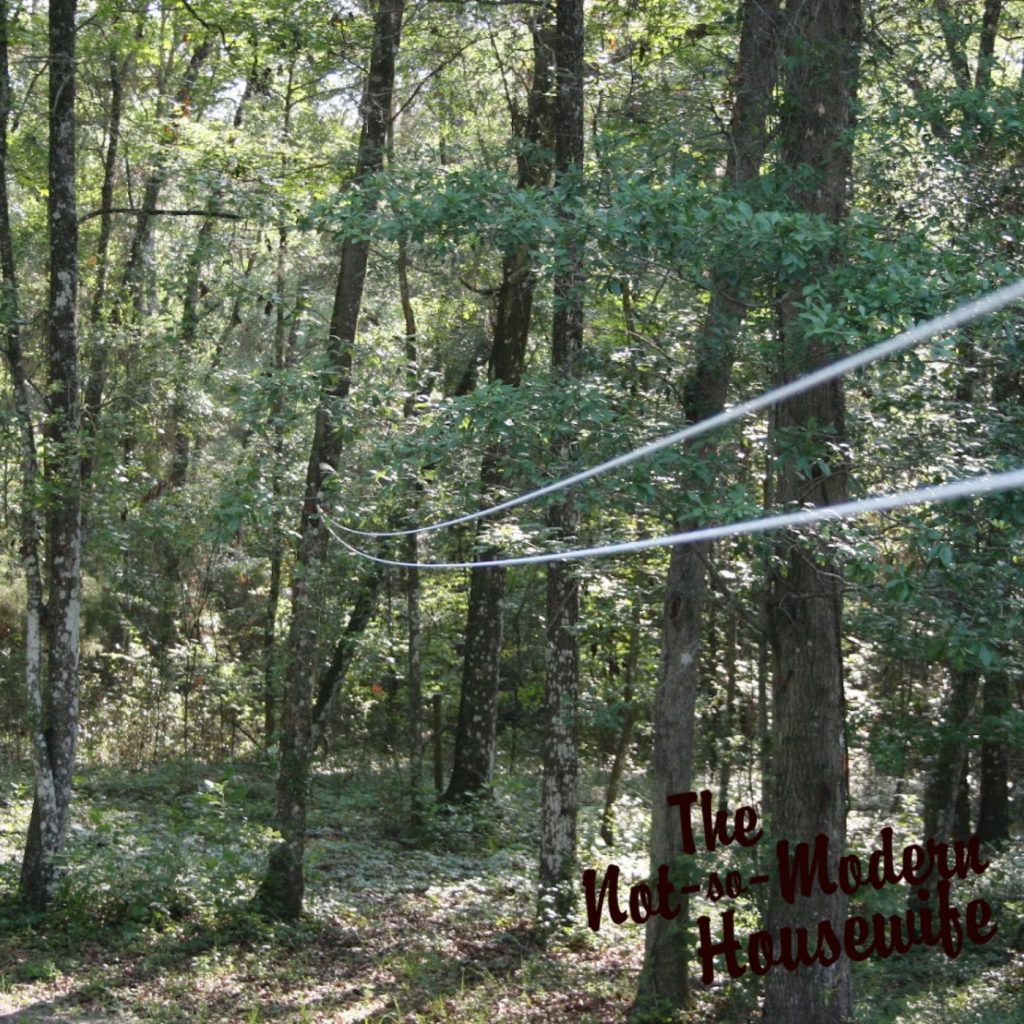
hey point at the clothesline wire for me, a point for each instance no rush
(970, 487)
(963, 314)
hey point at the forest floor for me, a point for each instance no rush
(433, 924)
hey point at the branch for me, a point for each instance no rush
(431, 74)
(209, 26)
(159, 212)
(486, 292)
(755, 622)
(939, 128)
(341, 659)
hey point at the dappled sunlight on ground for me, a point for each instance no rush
(415, 926)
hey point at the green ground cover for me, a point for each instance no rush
(425, 924)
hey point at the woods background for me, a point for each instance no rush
(274, 272)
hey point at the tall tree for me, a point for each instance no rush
(664, 981)
(284, 347)
(562, 679)
(411, 577)
(303, 714)
(55, 704)
(130, 301)
(475, 732)
(30, 527)
(946, 809)
(809, 785)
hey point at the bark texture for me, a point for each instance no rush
(664, 981)
(55, 708)
(30, 527)
(562, 667)
(809, 772)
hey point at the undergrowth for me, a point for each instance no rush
(417, 915)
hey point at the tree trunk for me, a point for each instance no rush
(629, 715)
(949, 760)
(562, 666)
(95, 367)
(281, 891)
(664, 982)
(437, 741)
(284, 347)
(473, 760)
(953, 36)
(188, 335)
(946, 805)
(131, 288)
(729, 711)
(56, 715)
(809, 772)
(107, 192)
(30, 522)
(285, 340)
(476, 726)
(994, 807)
(414, 647)
(987, 44)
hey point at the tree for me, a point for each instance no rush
(54, 698)
(663, 982)
(562, 675)
(302, 716)
(473, 759)
(809, 790)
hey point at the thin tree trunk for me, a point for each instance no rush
(164, 630)
(281, 892)
(476, 726)
(131, 287)
(987, 44)
(946, 808)
(57, 713)
(437, 737)
(954, 37)
(188, 335)
(284, 346)
(629, 716)
(949, 761)
(285, 341)
(95, 370)
(107, 192)
(414, 659)
(562, 677)
(764, 744)
(962, 809)
(475, 730)
(141, 247)
(809, 774)
(725, 773)
(30, 521)
(664, 981)
(994, 807)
